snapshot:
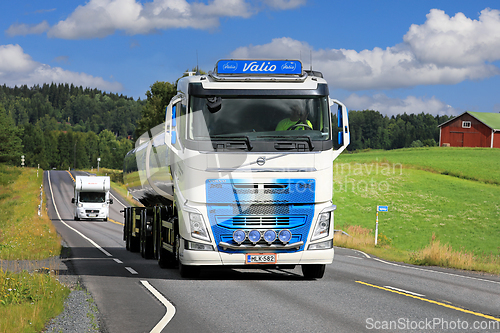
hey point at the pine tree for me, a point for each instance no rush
(10, 138)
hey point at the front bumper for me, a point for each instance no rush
(199, 258)
(91, 213)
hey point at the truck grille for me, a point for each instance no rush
(265, 221)
(92, 211)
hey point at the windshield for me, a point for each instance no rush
(258, 118)
(94, 197)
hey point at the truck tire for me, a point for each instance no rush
(134, 243)
(146, 242)
(189, 271)
(315, 271)
(166, 259)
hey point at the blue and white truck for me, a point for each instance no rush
(241, 172)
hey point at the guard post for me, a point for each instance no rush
(379, 209)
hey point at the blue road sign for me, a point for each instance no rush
(382, 208)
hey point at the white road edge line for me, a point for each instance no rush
(366, 255)
(131, 270)
(354, 257)
(170, 308)
(404, 291)
(438, 272)
(78, 232)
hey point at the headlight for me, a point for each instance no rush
(80, 205)
(321, 245)
(103, 205)
(322, 228)
(254, 236)
(198, 246)
(239, 236)
(198, 229)
(270, 236)
(285, 236)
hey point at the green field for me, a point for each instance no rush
(481, 164)
(449, 192)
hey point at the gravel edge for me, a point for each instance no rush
(80, 312)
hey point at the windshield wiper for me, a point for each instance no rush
(291, 138)
(244, 138)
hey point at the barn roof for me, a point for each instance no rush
(492, 120)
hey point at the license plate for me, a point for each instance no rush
(260, 258)
(93, 215)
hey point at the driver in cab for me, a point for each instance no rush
(297, 121)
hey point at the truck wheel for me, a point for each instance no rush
(166, 259)
(189, 271)
(147, 248)
(315, 271)
(76, 218)
(134, 243)
(146, 243)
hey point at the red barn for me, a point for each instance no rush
(471, 129)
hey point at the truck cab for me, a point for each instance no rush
(244, 165)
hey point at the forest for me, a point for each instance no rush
(63, 126)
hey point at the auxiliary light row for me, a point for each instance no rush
(269, 236)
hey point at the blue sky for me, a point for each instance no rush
(438, 57)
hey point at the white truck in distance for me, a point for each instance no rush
(92, 197)
(241, 172)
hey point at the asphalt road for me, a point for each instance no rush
(359, 293)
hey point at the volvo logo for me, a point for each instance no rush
(261, 161)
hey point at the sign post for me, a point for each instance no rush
(379, 209)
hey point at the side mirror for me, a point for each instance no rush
(72, 200)
(110, 201)
(340, 122)
(173, 133)
(344, 135)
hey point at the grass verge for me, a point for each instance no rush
(27, 300)
(24, 234)
(434, 254)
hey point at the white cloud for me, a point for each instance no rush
(284, 4)
(443, 50)
(456, 41)
(394, 106)
(25, 29)
(18, 68)
(100, 18)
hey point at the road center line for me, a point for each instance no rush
(404, 291)
(118, 261)
(170, 308)
(131, 270)
(431, 301)
(67, 225)
(354, 257)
